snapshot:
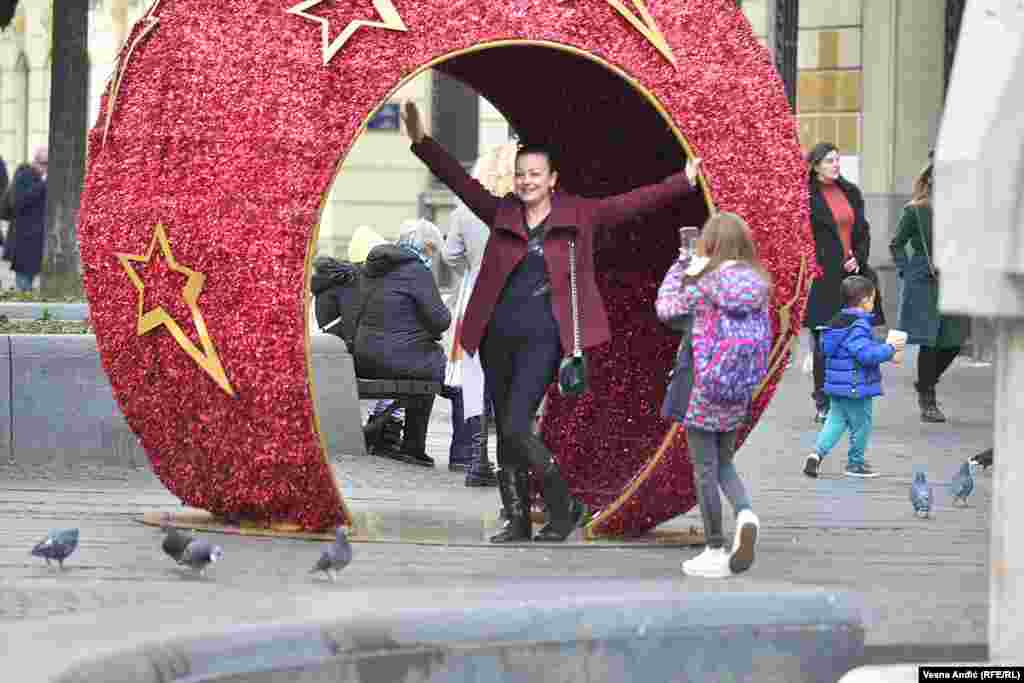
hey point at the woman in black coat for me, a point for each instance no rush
(842, 242)
(399, 332)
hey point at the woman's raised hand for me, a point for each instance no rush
(693, 169)
(413, 123)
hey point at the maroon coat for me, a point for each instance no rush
(571, 217)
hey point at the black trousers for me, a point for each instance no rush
(517, 372)
(931, 363)
(818, 358)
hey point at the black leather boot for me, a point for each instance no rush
(513, 485)
(929, 407)
(479, 472)
(563, 511)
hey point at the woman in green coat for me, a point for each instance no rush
(940, 336)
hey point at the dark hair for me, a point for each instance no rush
(856, 288)
(820, 151)
(537, 148)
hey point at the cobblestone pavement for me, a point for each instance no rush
(925, 581)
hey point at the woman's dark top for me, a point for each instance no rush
(524, 309)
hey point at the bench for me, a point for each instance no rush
(396, 388)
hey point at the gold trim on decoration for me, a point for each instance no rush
(208, 359)
(151, 23)
(590, 530)
(778, 352)
(392, 21)
(646, 25)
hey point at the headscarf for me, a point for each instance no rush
(416, 235)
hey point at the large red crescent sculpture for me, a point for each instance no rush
(224, 127)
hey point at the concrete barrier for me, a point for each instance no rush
(58, 408)
(31, 310)
(582, 631)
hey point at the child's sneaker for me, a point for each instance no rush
(747, 528)
(863, 471)
(811, 465)
(713, 563)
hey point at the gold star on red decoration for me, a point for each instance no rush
(646, 25)
(148, 321)
(392, 21)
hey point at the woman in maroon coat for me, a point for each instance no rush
(519, 316)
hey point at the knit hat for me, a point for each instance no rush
(363, 241)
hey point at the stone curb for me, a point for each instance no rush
(592, 632)
(31, 310)
(58, 379)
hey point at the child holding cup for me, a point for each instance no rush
(853, 376)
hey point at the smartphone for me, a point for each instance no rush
(688, 238)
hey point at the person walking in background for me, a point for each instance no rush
(842, 242)
(464, 247)
(519, 316)
(29, 202)
(941, 336)
(853, 377)
(725, 280)
(6, 210)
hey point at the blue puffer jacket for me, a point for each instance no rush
(853, 356)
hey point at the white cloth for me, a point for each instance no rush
(464, 247)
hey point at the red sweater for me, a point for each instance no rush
(842, 212)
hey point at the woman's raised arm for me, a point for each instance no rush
(618, 209)
(449, 170)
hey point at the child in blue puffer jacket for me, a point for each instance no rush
(853, 377)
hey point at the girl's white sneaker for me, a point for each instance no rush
(747, 528)
(713, 563)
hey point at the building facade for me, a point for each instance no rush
(868, 75)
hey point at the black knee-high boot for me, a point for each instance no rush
(513, 486)
(563, 511)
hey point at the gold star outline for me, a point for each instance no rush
(151, 21)
(392, 21)
(646, 25)
(207, 359)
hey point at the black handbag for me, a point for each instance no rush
(572, 372)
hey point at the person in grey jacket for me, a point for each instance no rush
(399, 330)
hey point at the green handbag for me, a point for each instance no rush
(572, 372)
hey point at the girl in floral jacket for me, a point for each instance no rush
(725, 278)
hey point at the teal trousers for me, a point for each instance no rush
(853, 414)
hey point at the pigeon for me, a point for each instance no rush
(175, 543)
(963, 483)
(334, 557)
(199, 554)
(983, 459)
(921, 495)
(57, 545)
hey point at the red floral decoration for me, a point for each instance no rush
(227, 128)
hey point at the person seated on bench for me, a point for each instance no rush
(401, 324)
(336, 287)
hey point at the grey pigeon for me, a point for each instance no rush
(921, 495)
(57, 545)
(963, 483)
(984, 459)
(334, 557)
(175, 543)
(199, 554)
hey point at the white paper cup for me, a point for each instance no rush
(894, 337)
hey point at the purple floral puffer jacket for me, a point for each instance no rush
(734, 287)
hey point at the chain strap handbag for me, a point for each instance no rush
(572, 372)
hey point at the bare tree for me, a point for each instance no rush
(69, 103)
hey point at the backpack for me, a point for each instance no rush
(734, 362)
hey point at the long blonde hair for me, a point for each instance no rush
(496, 168)
(921, 195)
(727, 237)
